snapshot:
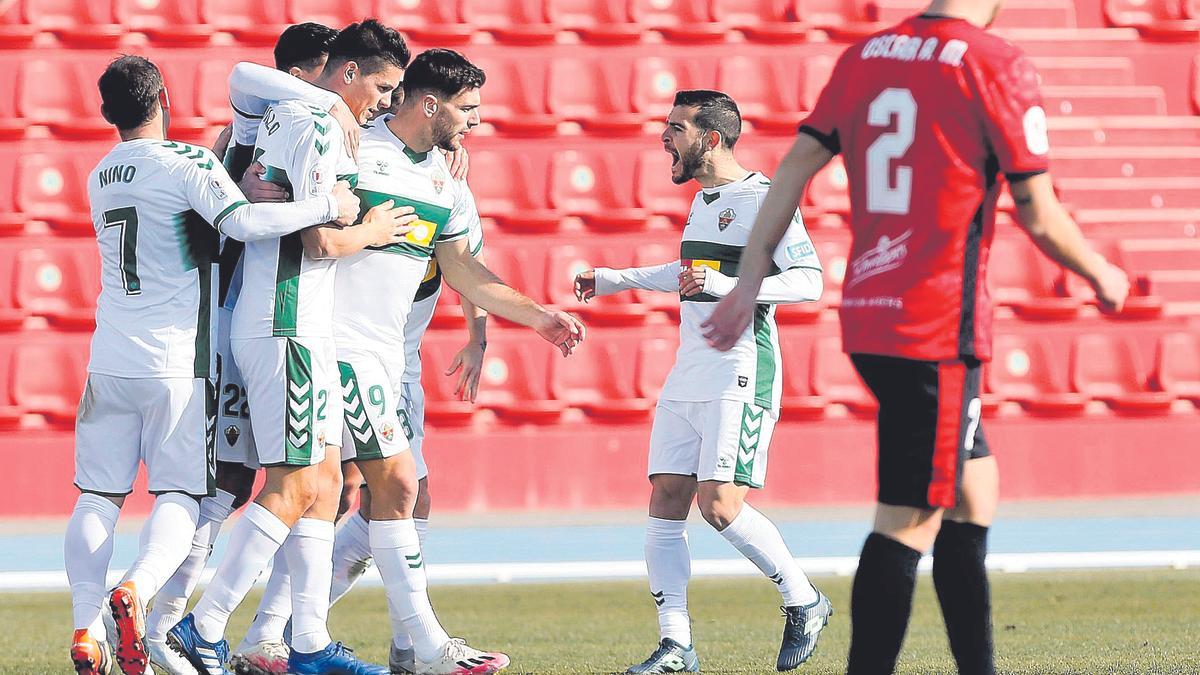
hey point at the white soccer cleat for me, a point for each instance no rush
(262, 658)
(457, 658)
(167, 660)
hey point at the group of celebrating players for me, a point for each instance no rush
(263, 306)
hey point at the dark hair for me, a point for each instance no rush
(129, 91)
(442, 71)
(371, 45)
(303, 45)
(715, 112)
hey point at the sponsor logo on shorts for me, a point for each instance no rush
(232, 434)
(743, 380)
(387, 431)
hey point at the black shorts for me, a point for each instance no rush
(928, 426)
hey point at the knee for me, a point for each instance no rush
(719, 512)
(671, 497)
(301, 492)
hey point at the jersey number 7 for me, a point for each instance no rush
(126, 218)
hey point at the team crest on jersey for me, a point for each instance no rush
(232, 434)
(388, 432)
(218, 190)
(725, 218)
(318, 180)
(439, 181)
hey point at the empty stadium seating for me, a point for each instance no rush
(48, 376)
(1024, 369)
(1107, 368)
(1155, 19)
(1177, 366)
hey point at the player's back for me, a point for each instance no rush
(153, 316)
(918, 112)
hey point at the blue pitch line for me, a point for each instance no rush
(37, 552)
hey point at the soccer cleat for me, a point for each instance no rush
(263, 658)
(801, 628)
(670, 657)
(130, 618)
(208, 658)
(335, 659)
(457, 658)
(166, 660)
(402, 661)
(90, 656)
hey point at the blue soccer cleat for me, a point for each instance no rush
(335, 659)
(208, 658)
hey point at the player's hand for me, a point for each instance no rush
(350, 126)
(468, 363)
(585, 285)
(691, 281)
(258, 190)
(1111, 286)
(561, 330)
(729, 319)
(389, 224)
(347, 202)
(458, 162)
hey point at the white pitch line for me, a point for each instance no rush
(463, 573)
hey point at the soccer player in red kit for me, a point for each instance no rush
(927, 115)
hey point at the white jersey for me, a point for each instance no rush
(376, 287)
(718, 228)
(426, 301)
(284, 293)
(156, 206)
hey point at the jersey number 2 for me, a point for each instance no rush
(127, 219)
(884, 195)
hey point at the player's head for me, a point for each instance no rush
(132, 95)
(443, 86)
(701, 122)
(302, 49)
(366, 64)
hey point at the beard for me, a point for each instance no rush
(443, 135)
(689, 161)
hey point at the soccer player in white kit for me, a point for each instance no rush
(282, 342)
(717, 410)
(158, 208)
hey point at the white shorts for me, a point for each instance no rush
(291, 385)
(168, 423)
(235, 434)
(412, 420)
(371, 395)
(720, 440)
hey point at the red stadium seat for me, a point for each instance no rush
(1126, 100)
(181, 73)
(511, 188)
(1022, 278)
(1109, 71)
(1177, 366)
(678, 20)
(170, 22)
(71, 108)
(657, 79)
(834, 378)
(333, 14)
(1015, 13)
(761, 20)
(12, 125)
(655, 191)
(1025, 370)
(258, 23)
(77, 22)
(766, 88)
(1126, 161)
(442, 406)
(53, 187)
(656, 357)
(49, 375)
(434, 21)
(1154, 19)
(601, 21)
(565, 261)
(10, 414)
(60, 281)
(844, 19)
(212, 84)
(1181, 192)
(593, 92)
(11, 317)
(798, 401)
(597, 187)
(15, 30)
(516, 379)
(601, 379)
(515, 97)
(11, 220)
(517, 21)
(1107, 368)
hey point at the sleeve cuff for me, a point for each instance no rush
(331, 208)
(607, 281)
(830, 141)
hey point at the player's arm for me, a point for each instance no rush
(468, 362)
(254, 87)
(798, 284)
(383, 225)
(606, 281)
(484, 289)
(1054, 231)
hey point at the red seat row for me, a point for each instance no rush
(42, 374)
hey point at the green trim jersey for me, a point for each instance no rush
(284, 293)
(376, 287)
(156, 207)
(718, 228)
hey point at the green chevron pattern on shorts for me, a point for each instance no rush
(366, 444)
(748, 439)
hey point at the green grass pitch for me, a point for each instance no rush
(1070, 622)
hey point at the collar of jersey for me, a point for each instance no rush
(412, 155)
(710, 197)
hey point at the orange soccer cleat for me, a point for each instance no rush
(130, 617)
(90, 656)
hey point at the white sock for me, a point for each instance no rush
(87, 550)
(403, 640)
(397, 551)
(165, 541)
(275, 608)
(351, 555)
(309, 550)
(172, 598)
(759, 540)
(252, 541)
(669, 566)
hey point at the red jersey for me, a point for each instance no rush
(927, 114)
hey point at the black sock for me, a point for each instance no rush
(961, 580)
(880, 604)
